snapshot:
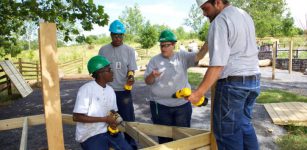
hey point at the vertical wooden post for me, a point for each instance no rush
(274, 60)
(8, 83)
(290, 56)
(20, 65)
(50, 85)
(37, 72)
(212, 139)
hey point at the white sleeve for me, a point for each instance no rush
(114, 106)
(82, 101)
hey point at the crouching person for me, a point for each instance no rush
(94, 101)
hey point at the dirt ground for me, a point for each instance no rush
(33, 105)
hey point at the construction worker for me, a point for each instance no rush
(165, 74)
(122, 58)
(94, 101)
(234, 65)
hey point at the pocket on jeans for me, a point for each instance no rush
(227, 128)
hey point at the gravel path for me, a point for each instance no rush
(33, 105)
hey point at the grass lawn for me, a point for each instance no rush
(275, 96)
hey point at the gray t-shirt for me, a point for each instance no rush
(232, 43)
(122, 60)
(174, 77)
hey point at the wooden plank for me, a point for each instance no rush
(67, 119)
(179, 134)
(24, 135)
(50, 85)
(139, 136)
(212, 137)
(13, 123)
(274, 59)
(290, 57)
(289, 113)
(192, 142)
(272, 113)
(192, 131)
(154, 130)
(281, 112)
(208, 147)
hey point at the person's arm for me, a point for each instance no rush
(202, 52)
(209, 79)
(150, 79)
(77, 117)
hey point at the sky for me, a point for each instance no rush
(173, 12)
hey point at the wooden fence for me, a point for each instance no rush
(31, 71)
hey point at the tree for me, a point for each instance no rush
(148, 36)
(268, 16)
(133, 20)
(181, 34)
(203, 33)
(196, 19)
(15, 13)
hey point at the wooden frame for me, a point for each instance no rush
(185, 138)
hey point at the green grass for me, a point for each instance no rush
(195, 78)
(275, 96)
(6, 99)
(296, 139)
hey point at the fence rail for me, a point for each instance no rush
(31, 71)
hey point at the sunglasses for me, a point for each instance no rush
(165, 45)
(120, 36)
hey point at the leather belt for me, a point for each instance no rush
(240, 78)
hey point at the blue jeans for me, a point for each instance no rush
(232, 114)
(126, 111)
(171, 116)
(104, 141)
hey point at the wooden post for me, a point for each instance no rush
(37, 72)
(50, 85)
(20, 65)
(8, 83)
(290, 56)
(212, 137)
(274, 60)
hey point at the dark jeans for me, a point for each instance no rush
(126, 111)
(104, 141)
(232, 115)
(171, 116)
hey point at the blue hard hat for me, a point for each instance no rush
(117, 27)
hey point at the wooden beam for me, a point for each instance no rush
(154, 130)
(275, 46)
(24, 135)
(139, 136)
(192, 142)
(180, 134)
(290, 56)
(67, 119)
(14, 123)
(50, 85)
(212, 137)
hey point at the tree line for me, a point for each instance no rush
(19, 22)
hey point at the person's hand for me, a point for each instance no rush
(195, 97)
(130, 81)
(156, 73)
(110, 119)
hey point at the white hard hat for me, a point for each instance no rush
(201, 2)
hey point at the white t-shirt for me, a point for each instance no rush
(96, 101)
